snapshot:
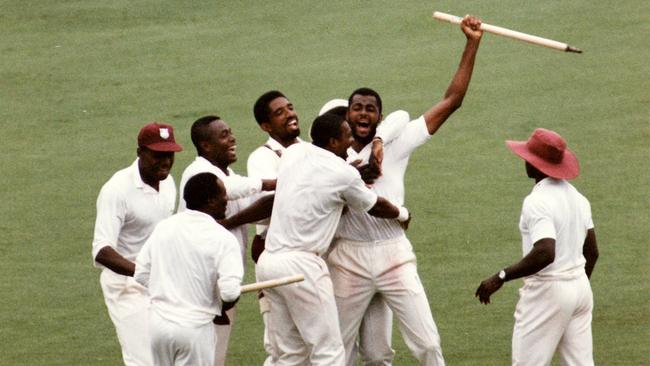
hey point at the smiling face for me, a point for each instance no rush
(363, 116)
(154, 166)
(282, 122)
(220, 146)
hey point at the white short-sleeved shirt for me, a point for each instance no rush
(556, 210)
(313, 187)
(190, 263)
(360, 226)
(127, 211)
(263, 163)
(238, 188)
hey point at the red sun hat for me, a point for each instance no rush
(547, 151)
(158, 137)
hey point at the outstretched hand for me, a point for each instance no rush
(489, 286)
(471, 27)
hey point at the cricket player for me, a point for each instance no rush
(193, 269)
(373, 256)
(559, 247)
(129, 206)
(216, 148)
(376, 328)
(314, 185)
(275, 115)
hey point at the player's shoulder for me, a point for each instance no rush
(224, 236)
(120, 182)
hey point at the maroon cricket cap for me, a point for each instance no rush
(547, 151)
(158, 137)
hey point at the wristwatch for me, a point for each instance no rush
(502, 274)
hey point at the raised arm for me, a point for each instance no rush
(455, 94)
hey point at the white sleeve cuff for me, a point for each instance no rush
(403, 214)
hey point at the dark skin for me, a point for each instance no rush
(282, 124)
(258, 210)
(154, 166)
(542, 254)
(364, 114)
(220, 149)
(339, 147)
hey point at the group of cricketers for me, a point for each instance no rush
(331, 210)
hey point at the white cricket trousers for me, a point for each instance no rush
(360, 270)
(376, 335)
(303, 318)
(176, 345)
(222, 333)
(128, 306)
(553, 314)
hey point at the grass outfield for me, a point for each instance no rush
(79, 78)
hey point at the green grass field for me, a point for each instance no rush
(79, 78)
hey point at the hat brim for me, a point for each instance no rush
(165, 147)
(568, 168)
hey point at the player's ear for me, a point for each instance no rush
(265, 126)
(332, 143)
(205, 146)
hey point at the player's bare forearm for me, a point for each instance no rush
(112, 260)
(542, 254)
(457, 89)
(590, 252)
(384, 209)
(258, 210)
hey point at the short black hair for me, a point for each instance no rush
(365, 92)
(261, 108)
(326, 127)
(200, 189)
(199, 132)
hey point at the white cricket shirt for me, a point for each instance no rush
(263, 163)
(313, 187)
(190, 263)
(556, 210)
(238, 190)
(360, 226)
(128, 209)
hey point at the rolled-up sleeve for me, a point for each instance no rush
(230, 269)
(238, 187)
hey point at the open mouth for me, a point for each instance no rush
(292, 124)
(362, 127)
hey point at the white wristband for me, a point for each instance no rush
(403, 214)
